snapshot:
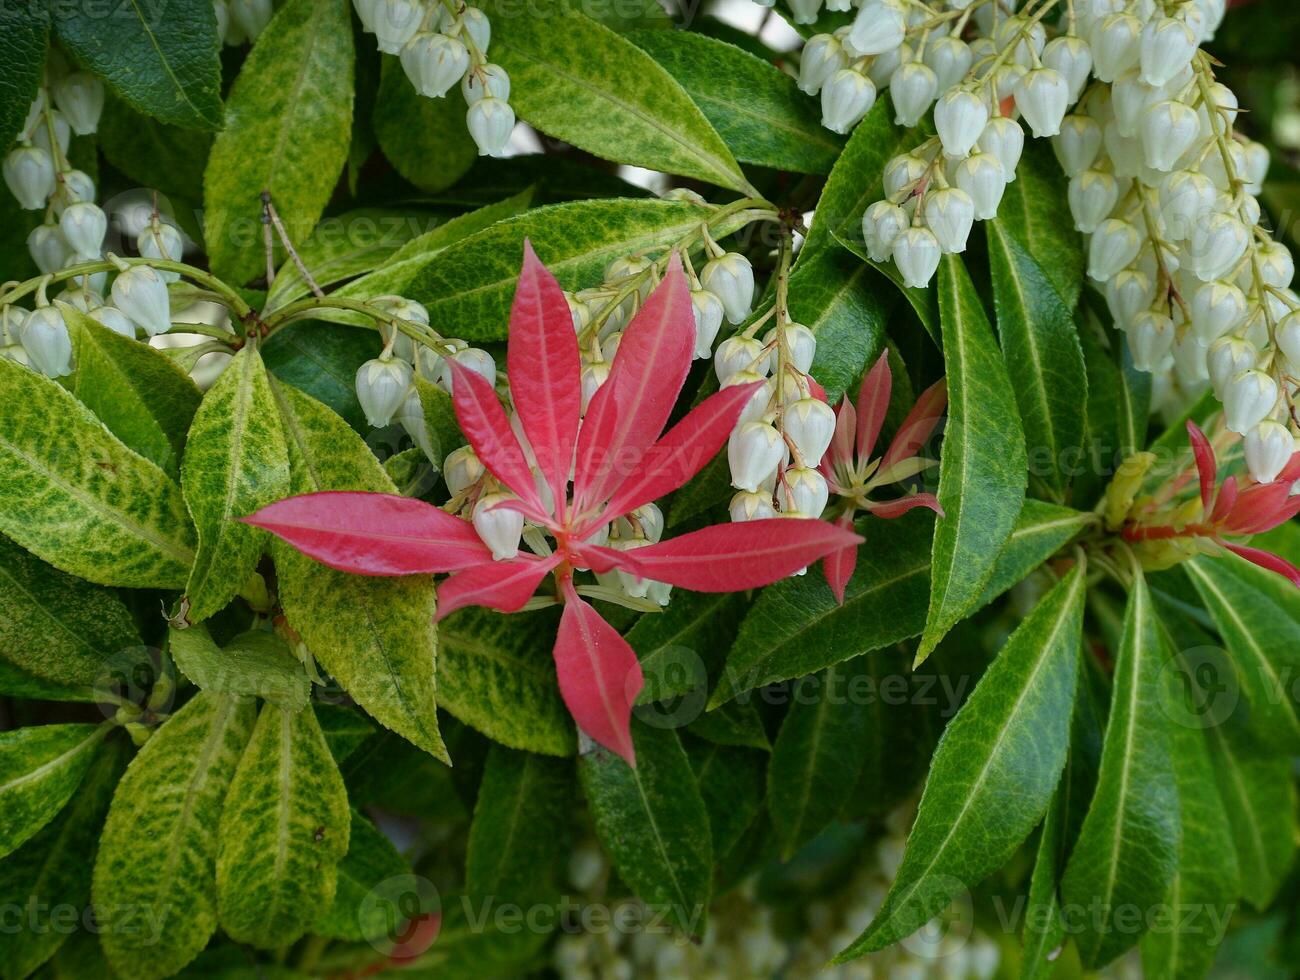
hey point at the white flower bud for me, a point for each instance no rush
(803, 491)
(251, 16)
(912, 87)
(44, 337)
(882, 223)
(488, 79)
(901, 172)
(800, 342)
(1257, 161)
(48, 248)
(650, 521)
(475, 359)
(949, 213)
(1217, 308)
(1116, 45)
(846, 97)
(1167, 47)
(1276, 265)
(754, 450)
(1092, 196)
(1004, 81)
(879, 26)
(29, 174)
(81, 298)
(760, 402)
(1150, 339)
(80, 97)
(72, 186)
(475, 23)
(84, 226)
(462, 469)
(1269, 447)
(1288, 340)
(434, 63)
(981, 176)
(730, 277)
(1169, 129)
(140, 293)
(752, 505)
(1114, 245)
(1072, 57)
(593, 376)
(1078, 144)
(115, 320)
(708, 321)
(1128, 293)
(162, 241)
(916, 253)
(381, 388)
(1042, 96)
(1186, 198)
(500, 528)
(738, 353)
(395, 22)
(609, 346)
(880, 68)
(960, 117)
(1003, 137)
(1217, 245)
(490, 122)
(949, 58)
(1248, 400)
(822, 57)
(1227, 358)
(809, 424)
(805, 11)
(62, 135)
(365, 13)
(1028, 39)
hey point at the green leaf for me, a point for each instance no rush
(1044, 359)
(1257, 788)
(162, 61)
(345, 728)
(426, 140)
(52, 871)
(468, 289)
(375, 635)
(631, 15)
(755, 107)
(1041, 531)
(288, 121)
(734, 723)
(253, 664)
(22, 49)
(440, 423)
(1036, 213)
(17, 683)
(1044, 931)
(75, 496)
(370, 861)
(818, 754)
(681, 649)
(495, 674)
(731, 784)
(1134, 404)
(982, 464)
(994, 772)
(580, 82)
(922, 301)
(158, 851)
(321, 359)
(55, 626)
(1127, 851)
(139, 394)
(653, 825)
(284, 829)
(835, 296)
(1257, 613)
(152, 153)
(235, 464)
(40, 769)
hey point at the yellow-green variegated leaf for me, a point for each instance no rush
(40, 768)
(235, 463)
(76, 496)
(158, 851)
(253, 664)
(371, 860)
(375, 635)
(284, 829)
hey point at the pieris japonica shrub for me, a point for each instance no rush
(589, 490)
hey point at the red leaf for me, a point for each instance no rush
(373, 533)
(501, 585)
(629, 410)
(545, 371)
(889, 509)
(1226, 500)
(599, 675)
(839, 565)
(918, 425)
(485, 425)
(1266, 559)
(839, 455)
(731, 557)
(683, 451)
(1261, 508)
(1205, 464)
(873, 403)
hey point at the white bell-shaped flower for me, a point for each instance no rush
(760, 402)
(162, 241)
(140, 293)
(949, 213)
(29, 174)
(251, 16)
(1276, 264)
(1042, 96)
(434, 63)
(803, 491)
(981, 176)
(475, 359)
(1028, 39)
(810, 425)
(1078, 144)
(1186, 199)
(1248, 399)
(912, 87)
(594, 375)
(950, 58)
(84, 226)
(846, 97)
(1217, 245)
(960, 117)
(1003, 137)
(475, 23)
(1217, 308)
(485, 80)
(72, 186)
(80, 97)
(754, 450)
(44, 337)
(1092, 195)
(1257, 163)
(880, 68)
(1072, 57)
(1169, 129)
(821, 58)
(490, 122)
(882, 223)
(1288, 341)
(1128, 293)
(365, 13)
(901, 173)
(81, 298)
(1150, 339)
(1114, 245)
(805, 11)
(1227, 358)
(751, 505)
(708, 321)
(800, 343)
(1129, 98)
(462, 469)
(1116, 45)
(1269, 446)
(917, 253)
(115, 320)
(48, 248)
(395, 22)
(62, 135)
(1167, 47)
(879, 26)
(739, 353)
(730, 277)
(381, 388)
(500, 528)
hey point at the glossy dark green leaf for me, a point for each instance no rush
(1127, 850)
(253, 664)
(1044, 931)
(994, 772)
(982, 463)
(152, 153)
(163, 61)
(1134, 404)
(40, 769)
(836, 297)
(1035, 212)
(923, 301)
(734, 723)
(653, 824)
(371, 861)
(731, 783)
(426, 140)
(22, 50)
(345, 728)
(321, 359)
(1041, 530)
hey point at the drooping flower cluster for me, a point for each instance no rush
(441, 43)
(556, 476)
(40, 176)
